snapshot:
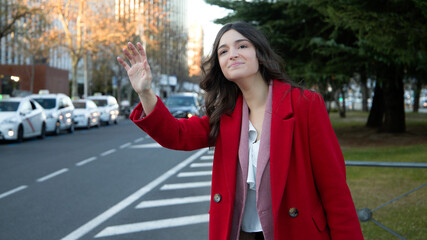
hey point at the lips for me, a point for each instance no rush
(235, 64)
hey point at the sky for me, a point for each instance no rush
(205, 14)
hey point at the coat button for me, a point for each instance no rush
(293, 212)
(217, 197)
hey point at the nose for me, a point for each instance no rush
(233, 53)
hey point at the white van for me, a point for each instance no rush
(108, 107)
(59, 111)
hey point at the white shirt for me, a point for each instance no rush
(250, 221)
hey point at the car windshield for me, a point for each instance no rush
(9, 106)
(47, 103)
(180, 101)
(79, 105)
(100, 102)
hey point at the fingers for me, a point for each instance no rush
(135, 52)
(129, 56)
(123, 63)
(141, 50)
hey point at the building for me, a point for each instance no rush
(195, 49)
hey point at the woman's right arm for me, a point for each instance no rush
(152, 116)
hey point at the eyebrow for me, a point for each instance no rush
(237, 41)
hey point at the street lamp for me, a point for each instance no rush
(14, 78)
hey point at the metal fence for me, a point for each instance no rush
(365, 214)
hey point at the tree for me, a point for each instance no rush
(394, 33)
(35, 39)
(13, 11)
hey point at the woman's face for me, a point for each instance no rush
(237, 56)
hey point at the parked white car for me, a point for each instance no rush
(59, 111)
(86, 114)
(21, 118)
(108, 107)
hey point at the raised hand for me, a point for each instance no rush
(139, 73)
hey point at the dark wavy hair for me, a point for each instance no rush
(221, 94)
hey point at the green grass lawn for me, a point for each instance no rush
(373, 186)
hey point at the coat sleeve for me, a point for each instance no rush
(329, 174)
(178, 134)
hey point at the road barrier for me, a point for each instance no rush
(365, 214)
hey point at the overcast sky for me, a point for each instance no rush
(205, 14)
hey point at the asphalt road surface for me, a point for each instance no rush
(112, 182)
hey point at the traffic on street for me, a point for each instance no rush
(113, 182)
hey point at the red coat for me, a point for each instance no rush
(310, 197)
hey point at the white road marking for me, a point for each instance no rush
(210, 157)
(194, 174)
(211, 151)
(148, 145)
(138, 140)
(47, 177)
(108, 152)
(81, 163)
(125, 145)
(151, 225)
(174, 186)
(89, 226)
(173, 201)
(209, 164)
(15, 190)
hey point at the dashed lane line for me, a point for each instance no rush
(89, 226)
(174, 186)
(151, 225)
(108, 152)
(15, 190)
(52, 175)
(138, 140)
(173, 201)
(125, 145)
(194, 174)
(88, 160)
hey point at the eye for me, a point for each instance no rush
(222, 52)
(243, 46)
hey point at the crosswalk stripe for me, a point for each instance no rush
(194, 174)
(152, 225)
(173, 201)
(89, 226)
(185, 185)
(209, 157)
(208, 164)
(148, 145)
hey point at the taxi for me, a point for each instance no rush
(108, 107)
(86, 114)
(21, 118)
(59, 111)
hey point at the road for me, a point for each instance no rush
(113, 182)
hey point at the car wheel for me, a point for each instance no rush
(71, 129)
(43, 131)
(20, 136)
(57, 128)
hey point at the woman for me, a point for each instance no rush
(278, 170)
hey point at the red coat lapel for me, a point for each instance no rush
(282, 128)
(230, 134)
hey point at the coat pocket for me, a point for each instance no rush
(319, 218)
